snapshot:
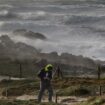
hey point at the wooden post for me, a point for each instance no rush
(6, 93)
(20, 67)
(99, 77)
(100, 89)
(99, 72)
(59, 73)
(56, 98)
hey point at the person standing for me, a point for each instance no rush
(45, 76)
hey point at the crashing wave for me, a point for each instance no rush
(38, 15)
(5, 14)
(6, 6)
(82, 19)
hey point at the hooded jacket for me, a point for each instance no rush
(45, 74)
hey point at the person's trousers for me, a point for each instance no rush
(43, 86)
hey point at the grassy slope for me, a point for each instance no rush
(65, 87)
(17, 102)
(91, 101)
(94, 101)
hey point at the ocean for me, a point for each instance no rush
(72, 26)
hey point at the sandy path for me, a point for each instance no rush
(68, 100)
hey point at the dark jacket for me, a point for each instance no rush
(42, 74)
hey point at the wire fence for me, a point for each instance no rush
(26, 70)
(30, 70)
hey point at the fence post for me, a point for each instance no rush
(20, 67)
(99, 72)
(99, 78)
(100, 89)
(6, 93)
(56, 98)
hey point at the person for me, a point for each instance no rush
(45, 76)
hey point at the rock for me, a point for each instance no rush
(14, 50)
(29, 34)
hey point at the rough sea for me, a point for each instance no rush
(72, 26)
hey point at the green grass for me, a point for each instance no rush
(94, 101)
(73, 91)
(18, 102)
(90, 101)
(64, 88)
(16, 88)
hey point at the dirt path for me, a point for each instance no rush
(67, 100)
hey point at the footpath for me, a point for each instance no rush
(66, 100)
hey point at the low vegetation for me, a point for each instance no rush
(18, 102)
(66, 87)
(94, 101)
(74, 91)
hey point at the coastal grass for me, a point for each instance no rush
(19, 102)
(81, 87)
(93, 101)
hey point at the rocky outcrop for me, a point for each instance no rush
(25, 54)
(29, 34)
(13, 50)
